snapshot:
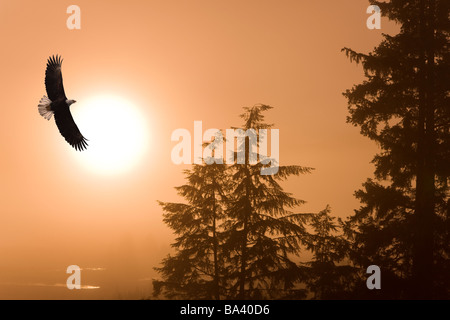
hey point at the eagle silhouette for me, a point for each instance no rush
(57, 104)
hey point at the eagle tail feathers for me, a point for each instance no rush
(44, 108)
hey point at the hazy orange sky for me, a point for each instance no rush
(176, 62)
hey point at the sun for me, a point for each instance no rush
(117, 132)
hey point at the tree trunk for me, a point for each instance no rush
(247, 213)
(425, 184)
(216, 262)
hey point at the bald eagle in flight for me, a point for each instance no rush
(57, 104)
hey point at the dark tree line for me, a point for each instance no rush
(239, 236)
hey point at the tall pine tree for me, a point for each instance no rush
(194, 272)
(403, 105)
(262, 233)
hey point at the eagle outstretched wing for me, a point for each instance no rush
(69, 130)
(53, 79)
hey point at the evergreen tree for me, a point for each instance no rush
(194, 272)
(403, 225)
(262, 235)
(328, 277)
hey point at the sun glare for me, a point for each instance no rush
(117, 133)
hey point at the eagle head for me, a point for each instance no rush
(69, 102)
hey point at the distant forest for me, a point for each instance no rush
(239, 235)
